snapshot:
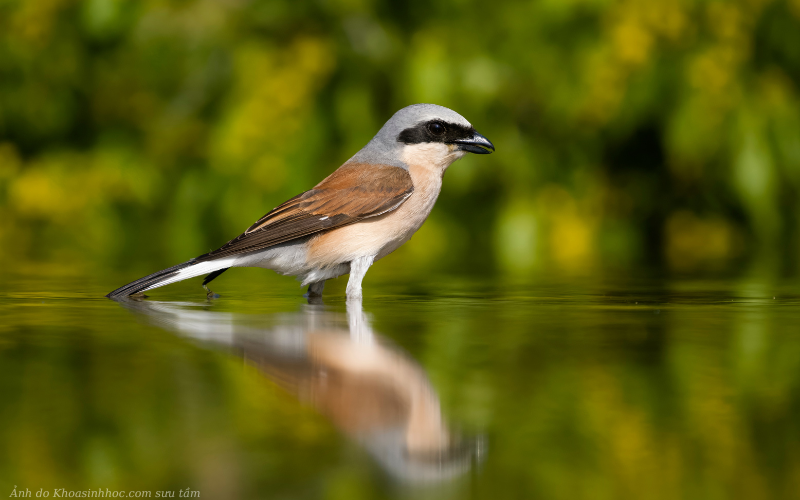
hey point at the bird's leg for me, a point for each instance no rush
(314, 293)
(315, 289)
(209, 294)
(358, 268)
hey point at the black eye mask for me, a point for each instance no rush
(430, 132)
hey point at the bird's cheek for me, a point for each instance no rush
(451, 158)
(454, 152)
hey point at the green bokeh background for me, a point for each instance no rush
(136, 134)
(657, 134)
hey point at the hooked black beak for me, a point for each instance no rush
(477, 144)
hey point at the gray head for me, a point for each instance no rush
(440, 131)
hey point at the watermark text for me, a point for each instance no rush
(103, 493)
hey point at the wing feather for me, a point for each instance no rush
(352, 193)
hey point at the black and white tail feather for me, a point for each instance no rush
(180, 272)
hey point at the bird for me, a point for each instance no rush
(363, 211)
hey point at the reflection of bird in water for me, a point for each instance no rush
(368, 388)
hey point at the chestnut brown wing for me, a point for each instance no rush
(352, 193)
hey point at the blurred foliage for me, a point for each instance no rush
(652, 132)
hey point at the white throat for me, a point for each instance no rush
(433, 155)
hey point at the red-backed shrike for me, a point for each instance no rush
(360, 213)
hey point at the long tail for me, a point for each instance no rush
(173, 274)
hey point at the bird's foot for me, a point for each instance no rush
(315, 290)
(354, 296)
(210, 295)
(314, 300)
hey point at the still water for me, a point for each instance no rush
(580, 388)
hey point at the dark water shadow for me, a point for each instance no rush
(371, 390)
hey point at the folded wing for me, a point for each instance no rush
(352, 193)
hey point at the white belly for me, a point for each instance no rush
(292, 260)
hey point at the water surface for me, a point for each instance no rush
(449, 388)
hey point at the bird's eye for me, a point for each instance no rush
(436, 128)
